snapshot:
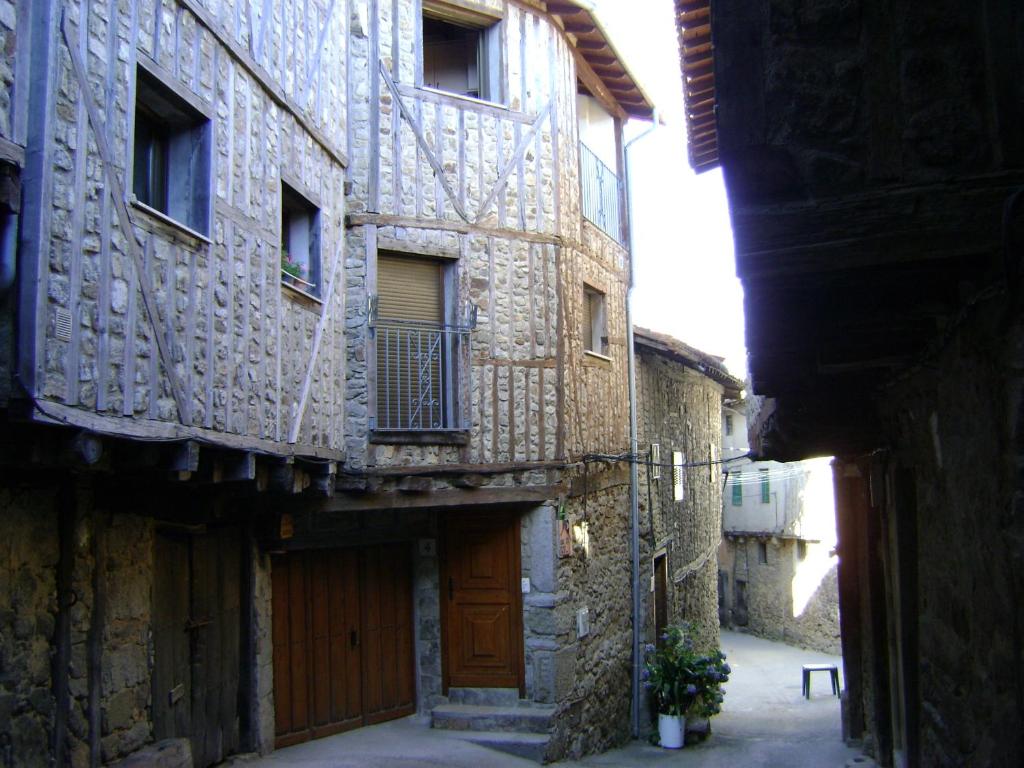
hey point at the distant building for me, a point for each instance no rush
(776, 562)
(680, 391)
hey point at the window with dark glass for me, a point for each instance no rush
(595, 326)
(171, 156)
(461, 58)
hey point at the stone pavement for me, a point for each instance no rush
(765, 723)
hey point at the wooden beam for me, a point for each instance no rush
(532, 494)
(411, 222)
(596, 85)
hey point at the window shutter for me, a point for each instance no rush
(677, 475)
(408, 289)
(588, 321)
(410, 387)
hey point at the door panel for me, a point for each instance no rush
(483, 613)
(342, 640)
(197, 640)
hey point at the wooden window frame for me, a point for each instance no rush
(595, 323)
(488, 44)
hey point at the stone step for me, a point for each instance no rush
(486, 697)
(523, 718)
(532, 746)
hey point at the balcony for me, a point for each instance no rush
(422, 377)
(600, 194)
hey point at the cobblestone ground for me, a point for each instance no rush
(765, 722)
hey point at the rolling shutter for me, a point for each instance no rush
(408, 289)
(410, 351)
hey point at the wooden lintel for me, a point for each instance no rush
(465, 228)
(532, 494)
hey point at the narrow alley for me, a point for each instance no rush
(765, 721)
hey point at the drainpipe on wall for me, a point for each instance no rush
(634, 490)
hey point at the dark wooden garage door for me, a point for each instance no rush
(343, 640)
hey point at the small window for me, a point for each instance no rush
(655, 461)
(728, 424)
(765, 487)
(737, 489)
(677, 475)
(461, 58)
(762, 552)
(171, 156)
(300, 242)
(595, 325)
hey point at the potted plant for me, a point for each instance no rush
(683, 681)
(291, 269)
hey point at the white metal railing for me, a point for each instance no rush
(422, 376)
(599, 187)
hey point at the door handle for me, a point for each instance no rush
(451, 588)
(353, 638)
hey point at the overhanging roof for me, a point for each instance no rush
(696, 61)
(594, 46)
(711, 366)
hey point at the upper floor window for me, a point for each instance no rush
(461, 57)
(737, 489)
(595, 322)
(765, 487)
(422, 360)
(728, 424)
(300, 242)
(677, 476)
(171, 155)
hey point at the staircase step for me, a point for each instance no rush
(517, 719)
(532, 746)
(484, 697)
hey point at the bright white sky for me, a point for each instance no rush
(686, 279)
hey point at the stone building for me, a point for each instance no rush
(874, 156)
(777, 563)
(312, 328)
(680, 391)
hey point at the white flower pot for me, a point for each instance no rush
(671, 730)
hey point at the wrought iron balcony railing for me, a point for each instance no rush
(600, 192)
(422, 376)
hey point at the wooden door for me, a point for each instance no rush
(483, 611)
(197, 643)
(342, 638)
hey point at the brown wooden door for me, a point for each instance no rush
(342, 637)
(196, 625)
(483, 616)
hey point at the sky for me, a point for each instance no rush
(686, 279)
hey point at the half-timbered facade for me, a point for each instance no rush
(314, 360)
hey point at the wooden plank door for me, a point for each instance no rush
(197, 629)
(343, 640)
(483, 611)
(387, 633)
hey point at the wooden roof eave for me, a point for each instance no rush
(696, 62)
(598, 60)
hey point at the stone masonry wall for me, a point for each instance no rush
(679, 409)
(593, 672)
(240, 342)
(959, 435)
(28, 608)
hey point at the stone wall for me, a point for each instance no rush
(593, 671)
(239, 342)
(679, 408)
(789, 598)
(29, 551)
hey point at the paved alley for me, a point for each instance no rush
(765, 723)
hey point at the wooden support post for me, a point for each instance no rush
(66, 508)
(184, 457)
(94, 640)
